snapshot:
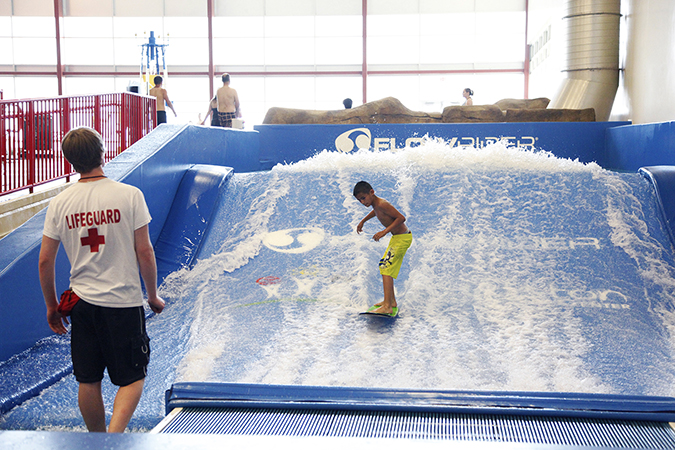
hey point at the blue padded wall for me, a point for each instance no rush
(634, 146)
(663, 179)
(243, 395)
(575, 140)
(189, 218)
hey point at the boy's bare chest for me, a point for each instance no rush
(384, 218)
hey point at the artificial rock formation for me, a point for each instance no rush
(521, 103)
(387, 110)
(391, 110)
(472, 114)
(550, 115)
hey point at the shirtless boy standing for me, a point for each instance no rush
(162, 97)
(228, 103)
(401, 239)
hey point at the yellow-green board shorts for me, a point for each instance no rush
(390, 264)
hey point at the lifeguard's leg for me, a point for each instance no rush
(126, 400)
(90, 400)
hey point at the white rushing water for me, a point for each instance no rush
(515, 252)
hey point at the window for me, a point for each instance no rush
(311, 50)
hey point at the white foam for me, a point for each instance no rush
(437, 154)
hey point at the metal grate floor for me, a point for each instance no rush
(415, 425)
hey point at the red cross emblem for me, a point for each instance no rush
(93, 240)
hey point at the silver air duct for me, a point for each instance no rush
(592, 64)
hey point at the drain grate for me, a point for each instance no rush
(422, 425)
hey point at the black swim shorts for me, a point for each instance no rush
(161, 117)
(112, 338)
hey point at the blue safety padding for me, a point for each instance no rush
(663, 179)
(28, 373)
(240, 395)
(635, 146)
(24, 320)
(584, 141)
(156, 166)
(189, 217)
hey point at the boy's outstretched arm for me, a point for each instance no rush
(359, 227)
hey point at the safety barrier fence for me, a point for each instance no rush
(31, 132)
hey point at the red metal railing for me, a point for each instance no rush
(31, 132)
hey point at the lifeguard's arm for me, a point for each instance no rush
(399, 218)
(148, 266)
(370, 215)
(46, 269)
(168, 102)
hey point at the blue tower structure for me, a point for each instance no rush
(152, 58)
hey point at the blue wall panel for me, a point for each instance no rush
(663, 179)
(634, 146)
(190, 217)
(575, 140)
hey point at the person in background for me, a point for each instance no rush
(162, 98)
(347, 102)
(103, 226)
(467, 93)
(213, 112)
(228, 103)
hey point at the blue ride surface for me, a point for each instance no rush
(527, 273)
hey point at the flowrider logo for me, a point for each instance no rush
(358, 137)
(293, 240)
(362, 138)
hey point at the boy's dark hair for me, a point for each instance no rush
(226, 77)
(83, 148)
(158, 80)
(362, 187)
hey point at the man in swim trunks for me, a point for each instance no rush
(401, 239)
(228, 103)
(162, 98)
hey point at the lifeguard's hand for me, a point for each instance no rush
(379, 235)
(156, 304)
(56, 322)
(359, 228)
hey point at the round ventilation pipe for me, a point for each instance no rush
(592, 62)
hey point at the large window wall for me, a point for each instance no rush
(291, 53)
